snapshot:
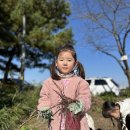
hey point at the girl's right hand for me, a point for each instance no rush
(45, 113)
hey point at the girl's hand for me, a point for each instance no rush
(45, 113)
(76, 107)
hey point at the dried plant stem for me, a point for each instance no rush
(30, 118)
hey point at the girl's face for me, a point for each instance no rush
(65, 62)
(115, 113)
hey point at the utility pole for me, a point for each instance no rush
(22, 44)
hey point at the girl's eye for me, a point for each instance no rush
(69, 60)
(60, 59)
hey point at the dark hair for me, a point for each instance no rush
(80, 68)
(67, 47)
(107, 106)
(128, 121)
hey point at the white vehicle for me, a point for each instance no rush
(102, 85)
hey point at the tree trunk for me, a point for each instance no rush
(128, 77)
(8, 65)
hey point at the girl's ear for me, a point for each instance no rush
(76, 63)
(56, 63)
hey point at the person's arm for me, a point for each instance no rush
(83, 99)
(84, 95)
(44, 100)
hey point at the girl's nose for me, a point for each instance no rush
(65, 63)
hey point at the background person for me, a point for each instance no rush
(120, 111)
(90, 122)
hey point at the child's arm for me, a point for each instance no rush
(83, 102)
(84, 95)
(44, 100)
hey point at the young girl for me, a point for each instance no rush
(65, 96)
(120, 111)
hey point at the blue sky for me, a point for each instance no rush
(95, 64)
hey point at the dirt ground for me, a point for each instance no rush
(100, 122)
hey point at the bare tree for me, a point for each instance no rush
(108, 27)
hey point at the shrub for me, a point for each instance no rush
(108, 96)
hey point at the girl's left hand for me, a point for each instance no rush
(76, 107)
